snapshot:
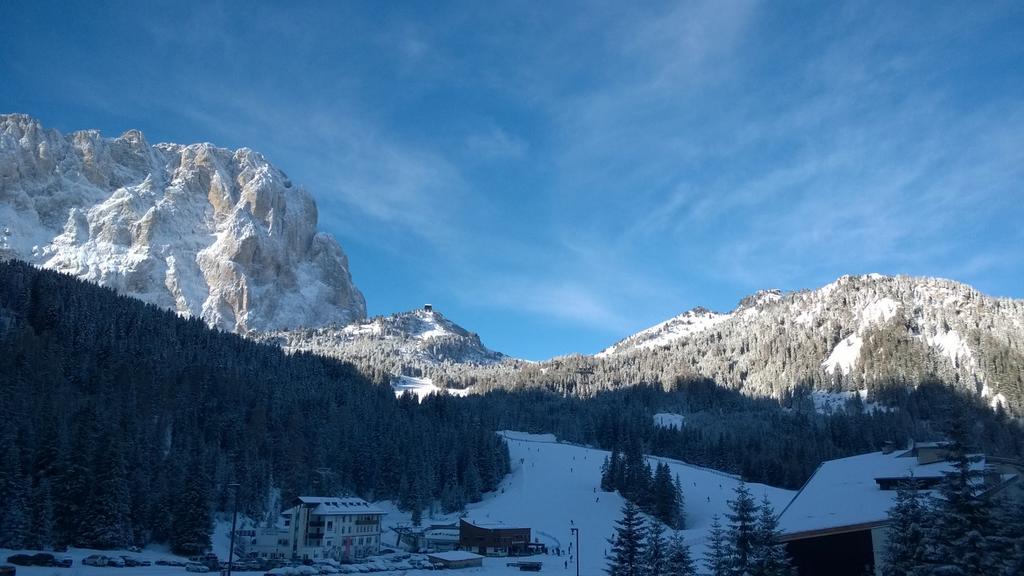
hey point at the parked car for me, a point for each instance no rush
(20, 559)
(131, 562)
(196, 567)
(64, 562)
(95, 560)
(42, 559)
(115, 562)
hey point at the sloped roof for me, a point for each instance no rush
(334, 506)
(844, 493)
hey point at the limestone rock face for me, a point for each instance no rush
(208, 232)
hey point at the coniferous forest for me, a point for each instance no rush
(122, 423)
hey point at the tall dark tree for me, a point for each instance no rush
(742, 533)
(769, 557)
(906, 549)
(627, 543)
(655, 556)
(679, 561)
(716, 560)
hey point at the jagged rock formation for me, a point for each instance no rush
(416, 343)
(859, 332)
(209, 232)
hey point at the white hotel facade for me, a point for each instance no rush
(315, 528)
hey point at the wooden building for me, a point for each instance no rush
(493, 538)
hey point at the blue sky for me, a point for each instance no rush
(556, 175)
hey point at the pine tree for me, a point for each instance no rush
(769, 557)
(742, 535)
(679, 561)
(627, 543)
(655, 557)
(680, 505)
(664, 498)
(908, 516)
(716, 560)
(959, 540)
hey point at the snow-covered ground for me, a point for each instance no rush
(553, 487)
(422, 387)
(669, 420)
(830, 402)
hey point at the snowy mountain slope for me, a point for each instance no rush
(686, 324)
(214, 233)
(414, 343)
(851, 334)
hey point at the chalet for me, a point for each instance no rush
(343, 529)
(837, 524)
(494, 538)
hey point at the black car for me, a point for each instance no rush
(43, 559)
(20, 559)
(131, 562)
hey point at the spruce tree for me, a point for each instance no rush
(742, 534)
(655, 557)
(769, 557)
(679, 561)
(716, 560)
(959, 540)
(905, 553)
(627, 543)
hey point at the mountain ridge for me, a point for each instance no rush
(208, 232)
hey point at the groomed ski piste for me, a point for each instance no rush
(553, 487)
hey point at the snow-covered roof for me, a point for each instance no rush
(454, 556)
(333, 506)
(844, 493)
(493, 525)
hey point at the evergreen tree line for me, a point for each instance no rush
(959, 529)
(121, 423)
(755, 438)
(656, 493)
(640, 548)
(748, 545)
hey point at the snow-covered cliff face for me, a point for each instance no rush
(853, 333)
(411, 343)
(208, 232)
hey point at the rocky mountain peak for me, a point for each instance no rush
(206, 231)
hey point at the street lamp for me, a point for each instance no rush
(576, 531)
(234, 522)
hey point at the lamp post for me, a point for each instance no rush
(576, 532)
(234, 522)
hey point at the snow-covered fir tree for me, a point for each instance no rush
(627, 553)
(679, 562)
(769, 557)
(717, 557)
(655, 554)
(742, 533)
(905, 553)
